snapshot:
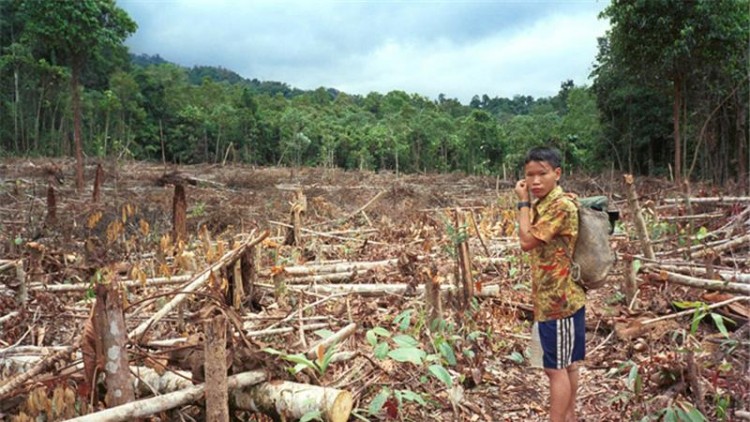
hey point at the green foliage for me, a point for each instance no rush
(677, 72)
(702, 311)
(319, 365)
(681, 412)
(148, 108)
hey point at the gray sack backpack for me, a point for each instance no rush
(593, 257)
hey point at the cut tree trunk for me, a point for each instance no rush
(249, 274)
(110, 326)
(284, 400)
(179, 214)
(215, 370)
(98, 180)
(51, 219)
(22, 295)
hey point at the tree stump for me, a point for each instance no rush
(179, 214)
(215, 367)
(110, 326)
(98, 180)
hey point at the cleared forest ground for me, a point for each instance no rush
(356, 233)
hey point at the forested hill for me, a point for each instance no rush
(669, 99)
(197, 74)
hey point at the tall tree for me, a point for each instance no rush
(76, 33)
(668, 46)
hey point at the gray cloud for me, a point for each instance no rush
(458, 48)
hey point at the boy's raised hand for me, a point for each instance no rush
(522, 190)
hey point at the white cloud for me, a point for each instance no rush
(460, 49)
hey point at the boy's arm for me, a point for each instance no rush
(527, 240)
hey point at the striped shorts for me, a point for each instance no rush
(557, 343)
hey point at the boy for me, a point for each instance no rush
(546, 229)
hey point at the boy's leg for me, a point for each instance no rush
(560, 394)
(572, 370)
(563, 343)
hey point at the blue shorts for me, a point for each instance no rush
(557, 343)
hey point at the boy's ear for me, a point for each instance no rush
(558, 173)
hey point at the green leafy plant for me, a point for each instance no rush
(701, 312)
(681, 412)
(319, 365)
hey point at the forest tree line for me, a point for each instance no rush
(669, 98)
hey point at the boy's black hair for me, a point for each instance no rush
(548, 154)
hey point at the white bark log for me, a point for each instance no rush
(385, 289)
(147, 407)
(344, 267)
(712, 200)
(289, 400)
(701, 283)
(8, 316)
(693, 270)
(81, 287)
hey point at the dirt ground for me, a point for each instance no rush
(368, 217)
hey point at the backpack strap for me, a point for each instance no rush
(575, 269)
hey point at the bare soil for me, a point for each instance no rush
(410, 218)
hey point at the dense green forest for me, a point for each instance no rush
(669, 97)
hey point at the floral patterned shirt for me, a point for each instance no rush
(554, 292)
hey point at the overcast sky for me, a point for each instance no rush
(459, 48)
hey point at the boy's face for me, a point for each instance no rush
(541, 178)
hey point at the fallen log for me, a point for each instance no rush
(700, 250)
(82, 287)
(382, 289)
(29, 350)
(284, 400)
(710, 200)
(676, 218)
(39, 367)
(150, 406)
(248, 333)
(8, 316)
(9, 263)
(248, 392)
(723, 286)
(693, 270)
(343, 267)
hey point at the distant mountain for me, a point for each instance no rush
(145, 60)
(197, 74)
